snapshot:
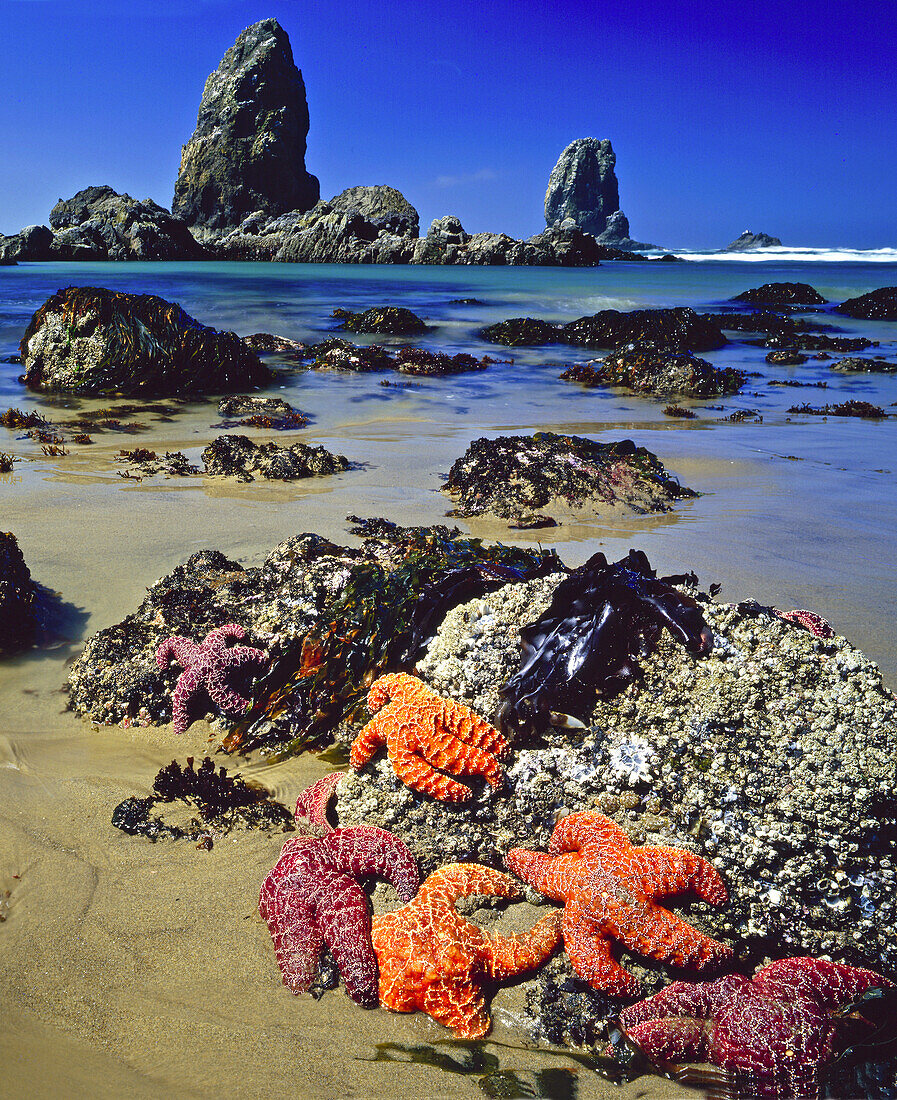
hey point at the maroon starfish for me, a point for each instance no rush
(206, 668)
(775, 1031)
(311, 897)
(809, 620)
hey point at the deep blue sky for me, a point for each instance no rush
(778, 117)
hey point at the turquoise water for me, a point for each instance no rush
(797, 511)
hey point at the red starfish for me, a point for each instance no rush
(311, 897)
(421, 729)
(206, 668)
(817, 626)
(777, 1029)
(610, 888)
(433, 959)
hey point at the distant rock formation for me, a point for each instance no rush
(749, 240)
(247, 154)
(34, 242)
(583, 193)
(100, 224)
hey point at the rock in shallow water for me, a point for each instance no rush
(18, 596)
(237, 456)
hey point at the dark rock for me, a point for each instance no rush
(749, 240)
(877, 305)
(18, 598)
(679, 412)
(382, 321)
(810, 341)
(382, 207)
(252, 405)
(679, 329)
(91, 340)
(519, 332)
(34, 242)
(863, 409)
(265, 342)
(583, 186)
(248, 150)
(781, 294)
(770, 323)
(853, 365)
(343, 355)
(420, 361)
(786, 358)
(648, 369)
(237, 456)
(100, 224)
(513, 475)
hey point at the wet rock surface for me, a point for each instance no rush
(514, 476)
(781, 294)
(652, 370)
(382, 321)
(247, 153)
(237, 456)
(877, 305)
(92, 340)
(18, 598)
(261, 412)
(856, 365)
(679, 329)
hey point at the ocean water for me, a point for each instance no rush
(144, 970)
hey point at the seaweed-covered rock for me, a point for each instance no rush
(141, 462)
(857, 365)
(420, 361)
(679, 329)
(267, 342)
(91, 340)
(647, 369)
(773, 324)
(237, 456)
(773, 756)
(749, 240)
(788, 357)
(781, 294)
(343, 355)
(865, 410)
(382, 320)
(519, 332)
(877, 305)
(18, 597)
(248, 150)
(512, 476)
(261, 412)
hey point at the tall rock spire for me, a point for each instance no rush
(583, 186)
(248, 150)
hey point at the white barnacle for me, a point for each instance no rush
(631, 758)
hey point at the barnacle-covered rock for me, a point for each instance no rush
(382, 320)
(237, 456)
(877, 305)
(644, 368)
(93, 340)
(679, 329)
(510, 476)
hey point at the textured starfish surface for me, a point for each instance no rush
(609, 888)
(206, 669)
(423, 732)
(434, 960)
(311, 806)
(311, 897)
(775, 1031)
(817, 626)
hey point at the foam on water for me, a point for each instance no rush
(796, 254)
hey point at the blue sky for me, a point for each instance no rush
(778, 117)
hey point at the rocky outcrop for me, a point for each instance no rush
(644, 368)
(510, 477)
(583, 186)
(247, 153)
(98, 223)
(93, 340)
(781, 294)
(382, 321)
(34, 242)
(237, 456)
(679, 329)
(877, 305)
(749, 240)
(18, 597)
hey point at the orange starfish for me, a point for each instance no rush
(421, 729)
(610, 888)
(432, 959)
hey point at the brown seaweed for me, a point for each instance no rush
(601, 618)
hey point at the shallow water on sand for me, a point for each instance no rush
(144, 969)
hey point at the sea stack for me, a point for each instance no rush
(583, 186)
(247, 153)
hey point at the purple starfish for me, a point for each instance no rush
(311, 807)
(311, 898)
(206, 668)
(775, 1031)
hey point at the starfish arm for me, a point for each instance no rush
(368, 742)
(187, 686)
(450, 753)
(459, 1005)
(589, 950)
(462, 880)
(659, 934)
(225, 698)
(681, 1039)
(385, 688)
(367, 850)
(345, 923)
(662, 872)
(507, 956)
(700, 1000)
(180, 649)
(221, 634)
(417, 774)
(312, 803)
(536, 869)
(297, 938)
(473, 730)
(576, 832)
(832, 984)
(393, 948)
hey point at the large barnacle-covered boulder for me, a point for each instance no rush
(93, 340)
